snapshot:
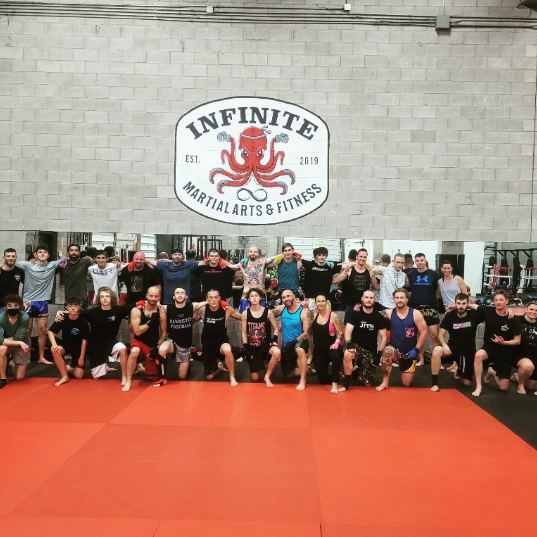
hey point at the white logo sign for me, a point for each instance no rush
(251, 160)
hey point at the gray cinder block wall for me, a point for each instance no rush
(432, 133)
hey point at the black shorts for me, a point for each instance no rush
(289, 356)
(430, 314)
(75, 355)
(256, 362)
(465, 363)
(210, 356)
(501, 364)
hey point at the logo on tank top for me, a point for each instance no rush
(410, 332)
(251, 160)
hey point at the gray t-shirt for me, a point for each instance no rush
(75, 278)
(38, 280)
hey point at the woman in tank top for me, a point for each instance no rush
(326, 333)
(450, 286)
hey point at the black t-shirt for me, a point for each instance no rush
(138, 282)
(74, 276)
(9, 282)
(423, 287)
(499, 325)
(180, 324)
(73, 332)
(105, 323)
(214, 331)
(358, 282)
(462, 330)
(318, 278)
(219, 278)
(366, 328)
(528, 344)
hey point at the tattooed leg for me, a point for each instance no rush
(386, 364)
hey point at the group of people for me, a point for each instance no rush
(389, 311)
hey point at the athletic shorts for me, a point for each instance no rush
(362, 353)
(256, 362)
(18, 356)
(210, 356)
(289, 357)
(37, 309)
(75, 355)
(406, 365)
(430, 314)
(465, 363)
(182, 354)
(312, 306)
(499, 363)
(112, 350)
(144, 349)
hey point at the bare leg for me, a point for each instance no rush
(525, 369)
(3, 361)
(182, 370)
(20, 371)
(128, 363)
(386, 365)
(302, 362)
(225, 349)
(60, 364)
(480, 355)
(41, 340)
(436, 362)
(275, 355)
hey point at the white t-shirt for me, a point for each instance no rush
(106, 277)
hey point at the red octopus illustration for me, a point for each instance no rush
(252, 146)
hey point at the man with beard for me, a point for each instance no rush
(11, 276)
(501, 335)
(361, 334)
(105, 319)
(149, 326)
(461, 324)
(259, 345)
(180, 316)
(296, 322)
(423, 287)
(176, 274)
(253, 270)
(408, 332)
(360, 279)
(75, 271)
(14, 338)
(138, 277)
(214, 340)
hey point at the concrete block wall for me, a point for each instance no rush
(432, 134)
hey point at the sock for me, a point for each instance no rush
(3, 382)
(347, 382)
(435, 380)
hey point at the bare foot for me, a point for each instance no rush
(383, 386)
(63, 380)
(239, 359)
(222, 367)
(514, 377)
(452, 368)
(268, 382)
(44, 362)
(419, 364)
(477, 391)
(435, 388)
(310, 371)
(342, 389)
(69, 369)
(123, 381)
(301, 386)
(107, 368)
(160, 383)
(233, 382)
(490, 373)
(521, 389)
(334, 389)
(126, 387)
(140, 369)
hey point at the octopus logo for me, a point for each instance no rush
(249, 160)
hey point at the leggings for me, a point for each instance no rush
(321, 359)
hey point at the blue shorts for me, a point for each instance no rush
(37, 309)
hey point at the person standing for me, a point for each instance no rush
(11, 276)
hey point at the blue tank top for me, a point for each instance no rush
(404, 333)
(291, 325)
(288, 276)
